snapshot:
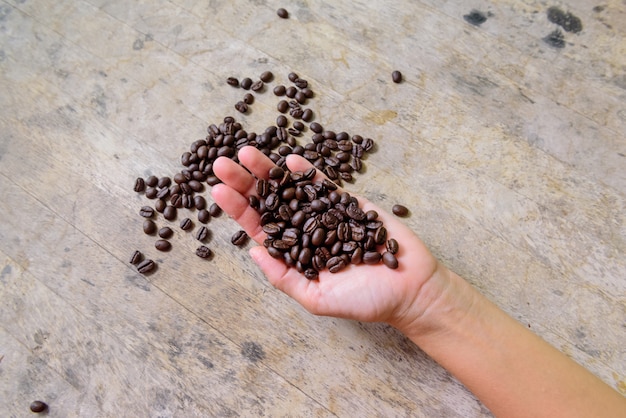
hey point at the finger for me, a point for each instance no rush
(254, 160)
(234, 175)
(236, 206)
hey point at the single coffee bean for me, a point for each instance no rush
(392, 246)
(203, 252)
(204, 216)
(239, 238)
(246, 83)
(38, 406)
(146, 266)
(149, 227)
(140, 185)
(293, 76)
(291, 93)
(169, 213)
(282, 106)
(266, 76)
(316, 127)
(232, 81)
(396, 76)
(215, 210)
(257, 86)
(162, 245)
(248, 99)
(186, 224)
(241, 107)
(152, 181)
(281, 121)
(146, 212)
(202, 234)
(400, 210)
(279, 90)
(371, 257)
(166, 232)
(282, 13)
(136, 257)
(390, 260)
(199, 202)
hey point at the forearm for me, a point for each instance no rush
(511, 370)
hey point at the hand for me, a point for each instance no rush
(361, 292)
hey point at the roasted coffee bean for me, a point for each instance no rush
(38, 406)
(149, 227)
(204, 216)
(241, 107)
(282, 106)
(246, 83)
(276, 173)
(146, 266)
(307, 115)
(257, 85)
(274, 252)
(266, 76)
(380, 236)
(279, 90)
(396, 76)
(248, 99)
(262, 187)
(371, 257)
(163, 193)
(151, 192)
(199, 202)
(291, 93)
(301, 83)
(215, 210)
(146, 212)
(202, 234)
(186, 224)
(140, 185)
(281, 121)
(305, 256)
(136, 257)
(169, 213)
(232, 81)
(203, 252)
(166, 232)
(335, 264)
(272, 229)
(357, 256)
(282, 13)
(239, 238)
(164, 182)
(400, 210)
(368, 145)
(390, 260)
(392, 246)
(311, 273)
(162, 245)
(152, 181)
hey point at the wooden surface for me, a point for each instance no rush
(510, 153)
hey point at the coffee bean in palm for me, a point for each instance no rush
(246, 83)
(203, 252)
(239, 238)
(282, 13)
(276, 173)
(282, 106)
(202, 234)
(169, 212)
(232, 81)
(140, 185)
(371, 257)
(146, 212)
(38, 406)
(248, 99)
(146, 266)
(166, 232)
(390, 260)
(400, 210)
(279, 90)
(396, 76)
(162, 245)
(204, 216)
(186, 224)
(136, 257)
(149, 227)
(215, 210)
(392, 246)
(335, 264)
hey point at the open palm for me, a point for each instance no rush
(361, 292)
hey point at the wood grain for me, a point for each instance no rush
(509, 152)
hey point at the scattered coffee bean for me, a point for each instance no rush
(307, 115)
(279, 90)
(282, 13)
(390, 260)
(400, 210)
(396, 76)
(146, 212)
(239, 238)
(151, 192)
(162, 245)
(152, 181)
(140, 185)
(164, 182)
(282, 106)
(136, 257)
(241, 107)
(146, 266)
(203, 252)
(232, 81)
(169, 213)
(186, 224)
(149, 227)
(257, 85)
(202, 234)
(281, 121)
(246, 83)
(266, 76)
(248, 99)
(215, 210)
(38, 406)
(166, 232)
(204, 216)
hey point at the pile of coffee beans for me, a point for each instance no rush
(338, 155)
(313, 226)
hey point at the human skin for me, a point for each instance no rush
(511, 370)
